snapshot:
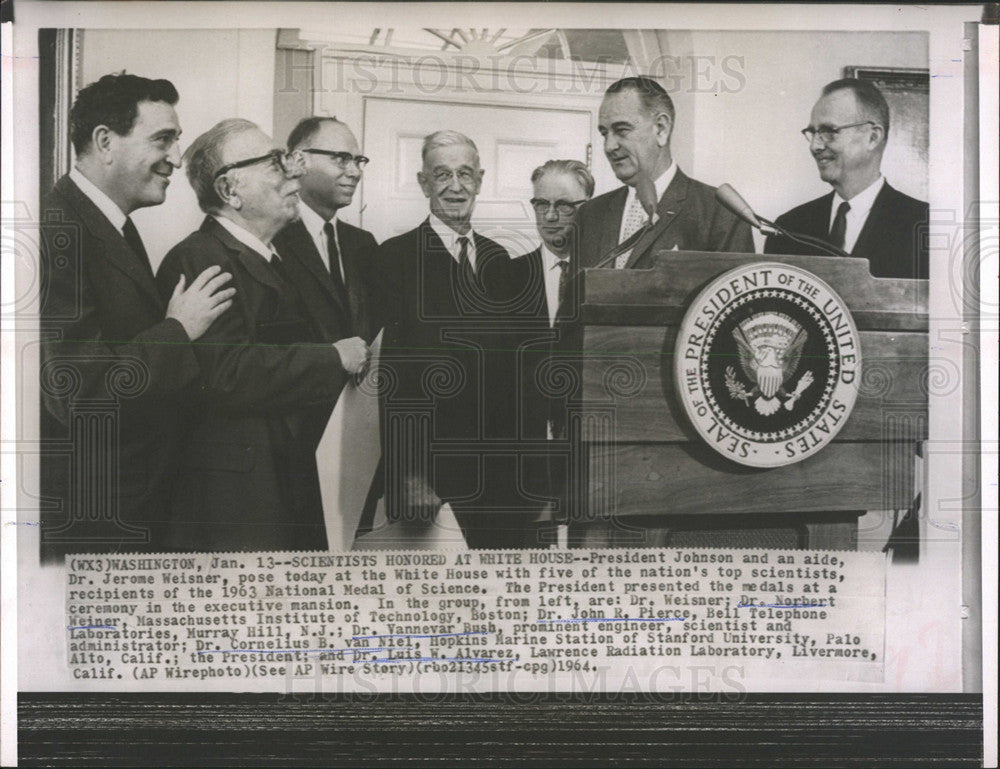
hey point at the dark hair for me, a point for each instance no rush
(653, 96)
(868, 96)
(573, 168)
(306, 129)
(113, 101)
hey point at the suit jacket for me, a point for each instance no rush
(548, 363)
(307, 271)
(248, 478)
(106, 349)
(445, 371)
(890, 239)
(690, 219)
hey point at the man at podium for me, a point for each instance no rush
(660, 207)
(863, 215)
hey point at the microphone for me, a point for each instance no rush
(734, 202)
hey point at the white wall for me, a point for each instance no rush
(218, 73)
(739, 128)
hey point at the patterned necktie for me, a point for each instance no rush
(635, 218)
(839, 228)
(131, 235)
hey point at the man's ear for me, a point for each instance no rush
(226, 191)
(424, 182)
(664, 127)
(102, 141)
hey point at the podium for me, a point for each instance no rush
(653, 480)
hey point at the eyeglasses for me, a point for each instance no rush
(466, 177)
(828, 134)
(562, 207)
(286, 162)
(342, 159)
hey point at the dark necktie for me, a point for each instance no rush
(131, 235)
(464, 264)
(278, 267)
(839, 228)
(333, 254)
(563, 309)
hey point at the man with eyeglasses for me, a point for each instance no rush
(863, 215)
(442, 288)
(109, 341)
(329, 260)
(548, 333)
(248, 479)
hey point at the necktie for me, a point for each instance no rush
(464, 265)
(333, 255)
(635, 218)
(563, 309)
(131, 235)
(839, 228)
(278, 267)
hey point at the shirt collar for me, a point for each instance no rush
(104, 204)
(549, 260)
(660, 184)
(314, 222)
(449, 237)
(247, 238)
(861, 203)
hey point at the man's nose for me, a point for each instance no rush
(610, 143)
(816, 144)
(174, 155)
(551, 215)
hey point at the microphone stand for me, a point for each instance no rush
(806, 240)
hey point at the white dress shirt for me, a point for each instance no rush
(104, 204)
(450, 239)
(861, 206)
(247, 238)
(660, 184)
(315, 226)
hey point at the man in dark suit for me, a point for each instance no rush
(248, 477)
(544, 318)
(863, 215)
(442, 287)
(116, 358)
(659, 208)
(329, 260)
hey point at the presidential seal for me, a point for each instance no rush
(767, 364)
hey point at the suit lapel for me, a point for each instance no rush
(304, 249)
(667, 210)
(116, 249)
(863, 246)
(611, 226)
(255, 264)
(354, 277)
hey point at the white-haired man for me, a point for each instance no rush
(442, 287)
(248, 479)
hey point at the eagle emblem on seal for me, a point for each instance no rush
(770, 348)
